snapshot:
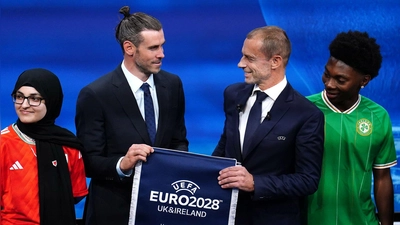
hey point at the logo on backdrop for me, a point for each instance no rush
(183, 200)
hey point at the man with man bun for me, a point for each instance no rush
(122, 115)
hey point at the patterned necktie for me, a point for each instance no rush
(253, 121)
(149, 112)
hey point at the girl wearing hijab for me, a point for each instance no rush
(41, 168)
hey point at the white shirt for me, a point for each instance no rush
(135, 84)
(272, 92)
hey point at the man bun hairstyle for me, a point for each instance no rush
(131, 25)
(358, 50)
(125, 11)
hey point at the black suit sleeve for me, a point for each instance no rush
(178, 139)
(89, 121)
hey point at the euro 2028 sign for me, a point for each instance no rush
(178, 188)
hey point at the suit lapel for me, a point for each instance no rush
(128, 103)
(241, 100)
(163, 101)
(277, 112)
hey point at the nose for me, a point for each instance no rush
(329, 84)
(160, 54)
(25, 103)
(241, 64)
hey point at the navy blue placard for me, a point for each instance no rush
(181, 188)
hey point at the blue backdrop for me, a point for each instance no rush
(75, 40)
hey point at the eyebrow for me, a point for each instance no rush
(336, 74)
(250, 56)
(31, 94)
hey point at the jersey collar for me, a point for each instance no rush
(336, 110)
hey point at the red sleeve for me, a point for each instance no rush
(77, 172)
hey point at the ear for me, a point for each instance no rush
(365, 80)
(129, 48)
(276, 61)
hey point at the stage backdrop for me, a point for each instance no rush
(75, 40)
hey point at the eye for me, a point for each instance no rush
(34, 99)
(19, 97)
(341, 81)
(154, 48)
(250, 59)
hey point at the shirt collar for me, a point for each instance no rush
(134, 81)
(274, 91)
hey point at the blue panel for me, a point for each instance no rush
(75, 40)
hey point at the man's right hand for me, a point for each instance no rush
(135, 153)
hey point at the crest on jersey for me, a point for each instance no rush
(364, 127)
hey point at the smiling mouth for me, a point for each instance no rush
(25, 112)
(331, 95)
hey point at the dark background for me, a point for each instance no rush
(75, 40)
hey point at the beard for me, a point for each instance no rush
(147, 69)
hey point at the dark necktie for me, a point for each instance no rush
(149, 112)
(253, 121)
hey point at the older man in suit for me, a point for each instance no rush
(275, 132)
(121, 115)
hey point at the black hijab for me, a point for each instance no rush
(56, 202)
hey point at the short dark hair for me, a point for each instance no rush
(131, 25)
(358, 50)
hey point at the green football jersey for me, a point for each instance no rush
(356, 141)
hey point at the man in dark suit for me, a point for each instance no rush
(281, 151)
(114, 123)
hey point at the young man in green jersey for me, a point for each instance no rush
(359, 142)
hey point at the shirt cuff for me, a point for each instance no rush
(119, 171)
